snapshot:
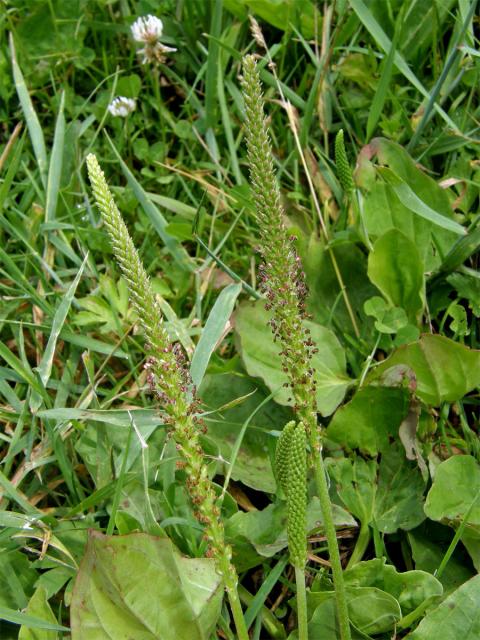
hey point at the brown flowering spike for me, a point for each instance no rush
(281, 276)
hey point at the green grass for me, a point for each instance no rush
(81, 443)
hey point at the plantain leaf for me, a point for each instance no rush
(395, 267)
(458, 616)
(260, 356)
(443, 503)
(445, 371)
(138, 586)
(369, 419)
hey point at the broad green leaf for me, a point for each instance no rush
(456, 487)
(370, 610)
(383, 210)
(129, 86)
(369, 419)
(399, 499)
(139, 586)
(266, 529)
(260, 356)
(213, 331)
(395, 267)
(38, 607)
(388, 494)
(323, 622)
(252, 464)
(325, 301)
(410, 588)
(445, 371)
(387, 319)
(458, 616)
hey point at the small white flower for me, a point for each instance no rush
(122, 107)
(147, 29)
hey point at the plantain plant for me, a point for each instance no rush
(283, 284)
(170, 383)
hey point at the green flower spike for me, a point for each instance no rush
(282, 455)
(297, 497)
(344, 170)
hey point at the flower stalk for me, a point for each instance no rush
(283, 283)
(169, 381)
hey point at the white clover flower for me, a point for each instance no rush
(122, 107)
(147, 29)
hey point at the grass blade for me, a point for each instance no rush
(44, 369)
(452, 57)
(381, 38)
(381, 92)
(461, 251)
(11, 171)
(33, 124)
(56, 162)
(212, 66)
(257, 604)
(213, 331)
(410, 200)
(16, 364)
(17, 617)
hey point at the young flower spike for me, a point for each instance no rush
(344, 171)
(148, 30)
(122, 107)
(297, 497)
(170, 383)
(282, 455)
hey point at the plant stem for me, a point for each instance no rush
(331, 534)
(361, 545)
(301, 604)
(237, 612)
